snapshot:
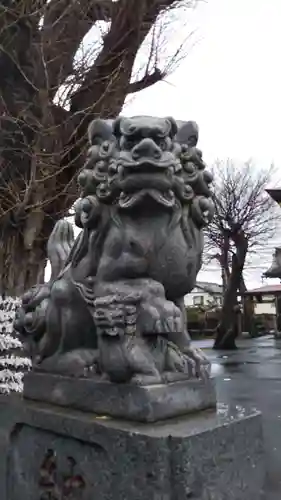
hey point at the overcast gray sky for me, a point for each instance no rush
(230, 83)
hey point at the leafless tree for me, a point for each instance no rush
(63, 63)
(245, 219)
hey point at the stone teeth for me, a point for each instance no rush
(177, 167)
(171, 171)
(112, 167)
(112, 332)
(120, 170)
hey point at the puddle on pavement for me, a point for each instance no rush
(232, 411)
(231, 366)
(217, 369)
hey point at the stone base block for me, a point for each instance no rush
(56, 453)
(139, 403)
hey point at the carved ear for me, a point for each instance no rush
(173, 125)
(188, 134)
(116, 127)
(99, 131)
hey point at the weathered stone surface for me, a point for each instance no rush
(114, 305)
(139, 403)
(82, 456)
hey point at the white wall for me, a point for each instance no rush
(207, 298)
(265, 308)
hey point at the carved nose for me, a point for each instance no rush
(147, 148)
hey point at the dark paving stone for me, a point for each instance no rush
(251, 376)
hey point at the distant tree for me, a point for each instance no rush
(245, 219)
(63, 63)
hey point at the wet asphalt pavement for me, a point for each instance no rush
(251, 376)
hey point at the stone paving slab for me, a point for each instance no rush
(251, 376)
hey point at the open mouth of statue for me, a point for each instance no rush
(136, 182)
(145, 175)
(130, 200)
(146, 165)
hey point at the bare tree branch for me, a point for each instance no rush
(61, 64)
(245, 219)
(147, 81)
(64, 26)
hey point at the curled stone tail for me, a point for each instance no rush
(59, 246)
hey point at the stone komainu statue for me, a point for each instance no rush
(114, 305)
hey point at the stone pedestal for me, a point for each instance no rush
(148, 403)
(57, 453)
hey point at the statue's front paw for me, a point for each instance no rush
(177, 362)
(161, 317)
(19, 321)
(31, 325)
(202, 366)
(33, 297)
(168, 324)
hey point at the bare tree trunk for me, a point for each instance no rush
(227, 330)
(248, 308)
(242, 286)
(20, 268)
(42, 144)
(222, 258)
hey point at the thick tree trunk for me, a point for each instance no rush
(20, 268)
(227, 329)
(248, 315)
(41, 143)
(248, 308)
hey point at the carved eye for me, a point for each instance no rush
(129, 144)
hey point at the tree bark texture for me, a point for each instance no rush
(227, 329)
(20, 268)
(42, 143)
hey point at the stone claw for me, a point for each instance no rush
(200, 361)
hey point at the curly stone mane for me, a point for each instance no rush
(111, 175)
